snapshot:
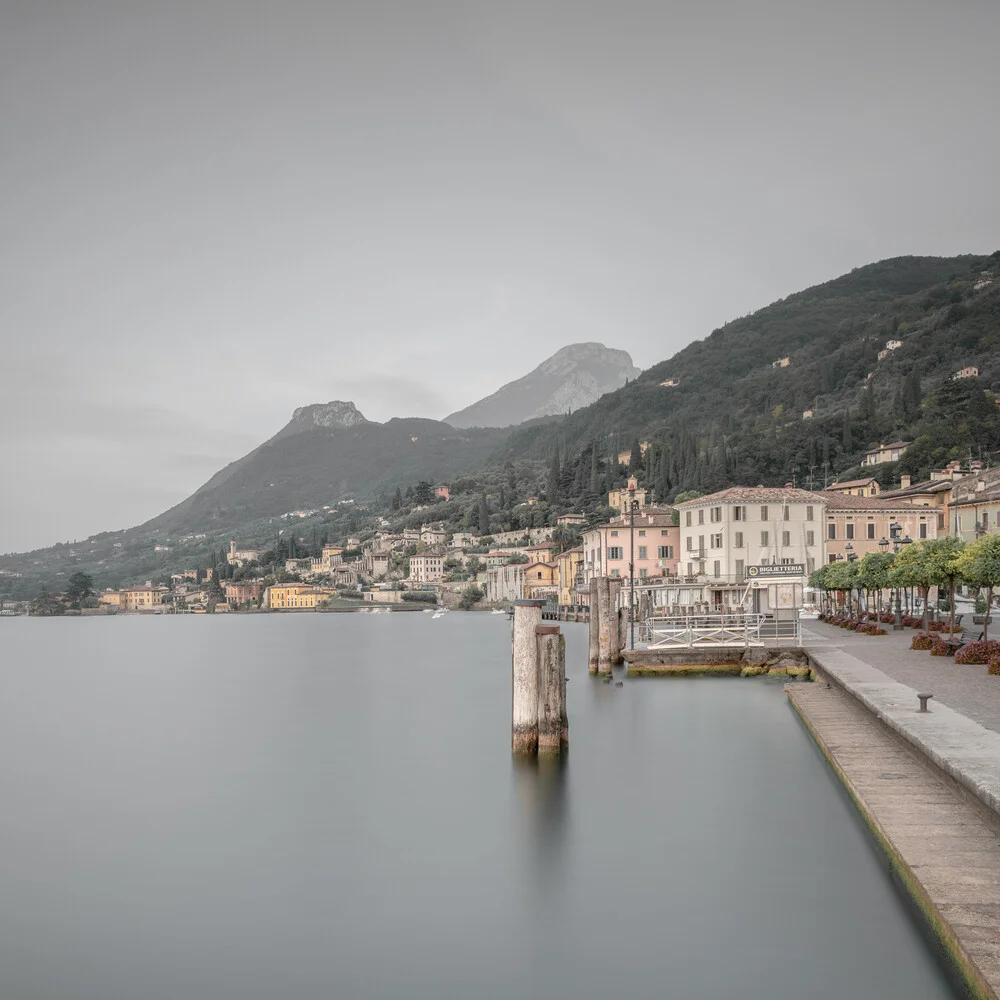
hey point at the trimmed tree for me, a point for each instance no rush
(874, 570)
(979, 566)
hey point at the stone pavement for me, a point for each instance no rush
(944, 846)
(967, 689)
(952, 739)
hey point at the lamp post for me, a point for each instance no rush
(633, 506)
(894, 529)
(883, 546)
(852, 556)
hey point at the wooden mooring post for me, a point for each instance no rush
(617, 626)
(594, 651)
(553, 725)
(524, 670)
(604, 614)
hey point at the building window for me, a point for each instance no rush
(871, 530)
(810, 538)
(831, 531)
(701, 516)
(785, 513)
(539, 574)
(690, 569)
(763, 513)
(765, 538)
(786, 562)
(665, 552)
(786, 538)
(614, 552)
(615, 572)
(715, 540)
(716, 515)
(664, 532)
(739, 513)
(716, 569)
(642, 534)
(739, 569)
(738, 539)
(923, 529)
(687, 518)
(642, 551)
(642, 574)
(849, 530)
(701, 546)
(809, 513)
(690, 543)
(614, 534)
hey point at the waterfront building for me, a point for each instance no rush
(504, 583)
(862, 522)
(731, 538)
(606, 547)
(977, 507)
(286, 596)
(427, 567)
(570, 565)
(144, 598)
(243, 591)
(541, 581)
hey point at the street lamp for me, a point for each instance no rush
(894, 529)
(633, 506)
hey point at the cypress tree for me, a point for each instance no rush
(847, 439)
(484, 515)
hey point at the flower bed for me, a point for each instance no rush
(940, 648)
(978, 652)
(871, 629)
(993, 666)
(922, 640)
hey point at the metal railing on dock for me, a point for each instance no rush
(738, 629)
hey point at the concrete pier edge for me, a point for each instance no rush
(961, 965)
(964, 750)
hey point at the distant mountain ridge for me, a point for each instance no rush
(573, 377)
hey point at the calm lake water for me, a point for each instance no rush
(324, 806)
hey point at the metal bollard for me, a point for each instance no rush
(924, 698)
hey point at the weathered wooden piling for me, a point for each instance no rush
(553, 727)
(604, 614)
(524, 677)
(617, 632)
(595, 629)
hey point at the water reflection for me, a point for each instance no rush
(541, 796)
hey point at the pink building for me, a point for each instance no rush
(657, 547)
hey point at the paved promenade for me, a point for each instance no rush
(967, 689)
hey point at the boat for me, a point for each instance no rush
(498, 611)
(440, 613)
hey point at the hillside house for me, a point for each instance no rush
(668, 383)
(781, 363)
(807, 414)
(969, 372)
(427, 567)
(857, 487)
(891, 452)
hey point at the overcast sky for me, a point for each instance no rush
(216, 211)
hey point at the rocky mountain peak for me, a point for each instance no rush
(336, 413)
(575, 376)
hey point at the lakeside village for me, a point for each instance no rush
(710, 553)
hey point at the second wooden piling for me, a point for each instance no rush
(595, 628)
(604, 613)
(553, 727)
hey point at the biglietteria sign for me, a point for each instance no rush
(775, 569)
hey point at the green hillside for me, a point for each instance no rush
(733, 417)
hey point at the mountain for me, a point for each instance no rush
(572, 378)
(799, 384)
(325, 453)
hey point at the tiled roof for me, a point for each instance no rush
(841, 501)
(990, 495)
(759, 494)
(918, 489)
(886, 447)
(852, 482)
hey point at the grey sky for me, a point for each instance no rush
(215, 212)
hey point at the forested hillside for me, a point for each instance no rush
(737, 416)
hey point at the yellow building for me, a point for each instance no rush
(541, 580)
(139, 598)
(296, 595)
(570, 563)
(110, 597)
